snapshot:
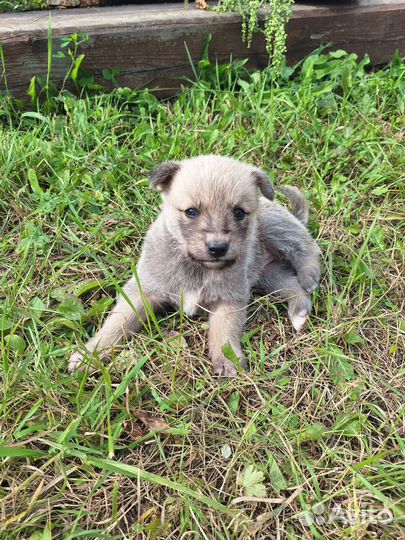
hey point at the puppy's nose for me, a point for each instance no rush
(217, 249)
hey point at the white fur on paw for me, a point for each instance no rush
(299, 320)
(75, 362)
(225, 368)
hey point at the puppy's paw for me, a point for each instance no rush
(75, 362)
(225, 368)
(299, 313)
(308, 278)
(299, 320)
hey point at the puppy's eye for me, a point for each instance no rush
(192, 212)
(239, 213)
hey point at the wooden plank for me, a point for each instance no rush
(147, 42)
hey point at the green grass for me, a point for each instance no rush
(319, 417)
(21, 5)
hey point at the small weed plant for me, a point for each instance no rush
(277, 13)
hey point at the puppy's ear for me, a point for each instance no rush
(264, 183)
(161, 177)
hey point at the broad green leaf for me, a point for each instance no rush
(16, 343)
(37, 306)
(233, 402)
(33, 180)
(377, 236)
(349, 424)
(87, 285)
(59, 293)
(72, 308)
(313, 432)
(245, 85)
(252, 481)
(380, 190)
(353, 338)
(59, 322)
(5, 324)
(340, 368)
(338, 54)
(277, 479)
(250, 431)
(107, 74)
(77, 64)
(32, 90)
(229, 354)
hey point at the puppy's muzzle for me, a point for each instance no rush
(216, 250)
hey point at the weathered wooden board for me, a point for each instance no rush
(148, 41)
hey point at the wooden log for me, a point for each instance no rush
(147, 42)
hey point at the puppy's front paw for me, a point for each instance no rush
(225, 368)
(75, 362)
(308, 278)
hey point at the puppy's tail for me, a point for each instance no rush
(299, 204)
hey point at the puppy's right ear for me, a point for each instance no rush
(161, 177)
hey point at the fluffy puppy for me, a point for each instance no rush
(213, 242)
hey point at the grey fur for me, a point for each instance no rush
(269, 249)
(163, 174)
(264, 184)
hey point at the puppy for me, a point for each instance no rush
(214, 241)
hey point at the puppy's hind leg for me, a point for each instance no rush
(284, 234)
(125, 318)
(281, 281)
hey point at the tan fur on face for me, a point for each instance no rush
(215, 187)
(269, 249)
(213, 180)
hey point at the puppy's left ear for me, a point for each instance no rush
(161, 177)
(264, 183)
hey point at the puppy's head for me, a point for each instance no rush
(209, 205)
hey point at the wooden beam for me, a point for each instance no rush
(147, 42)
